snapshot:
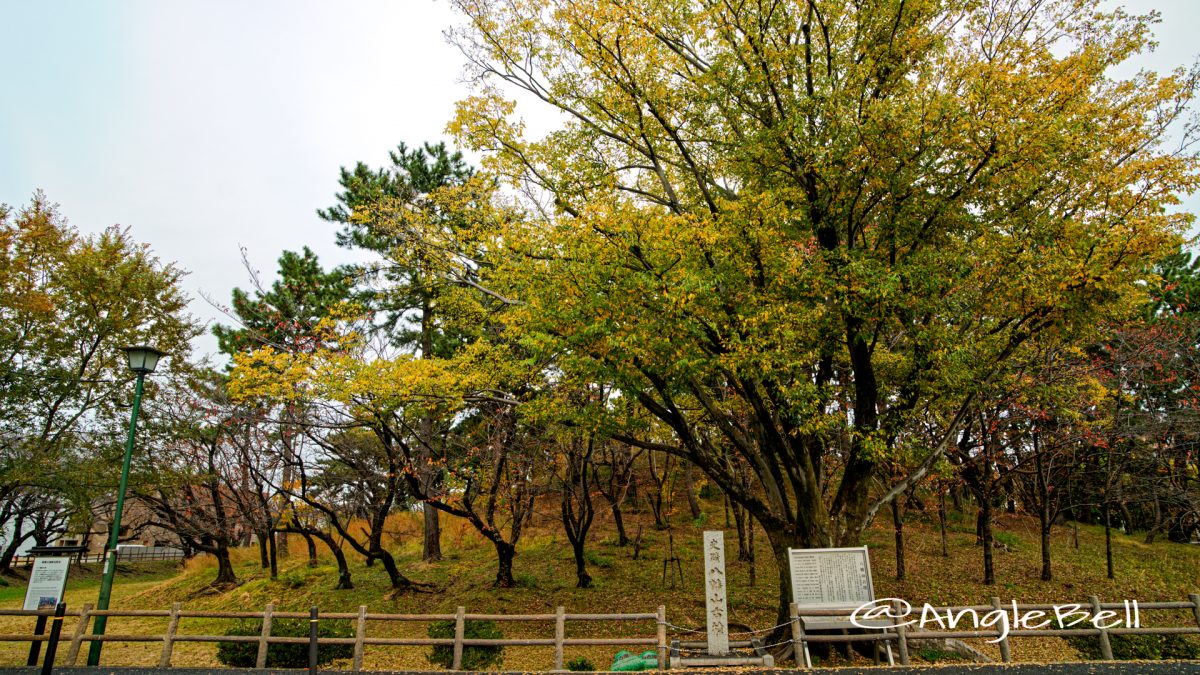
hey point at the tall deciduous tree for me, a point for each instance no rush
(69, 303)
(787, 229)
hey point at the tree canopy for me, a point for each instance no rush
(788, 230)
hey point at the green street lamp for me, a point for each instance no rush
(142, 360)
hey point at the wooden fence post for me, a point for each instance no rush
(663, 662)
(313, 639)
(460, 629)
(1105, 645)
(901, 633)
(261, 661)
(85, 616)
(560, 632)
(797, 636)
(360, 634)
(164, 660)
(1195, 598)
(1005, 651)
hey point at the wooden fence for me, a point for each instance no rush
(360, 641)
(127, 555)
(897, 633)
(902, 635)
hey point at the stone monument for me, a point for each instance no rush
(718, 650)
(714, 597)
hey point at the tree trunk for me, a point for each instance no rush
(619, 521)
(1127, 525)
(741, 518)
(1047, 573)
(582, 578)
(689, 486)
(504, 568)
(942, 523)
(1158, 522)
(344, 582)
(398, 581)
(1108, 551)
(273, 553)
(225, 575)
(1044, 519)
(985, 531)
(431, 548)
(780, 543)
(10, 551)
(898, 526)
(262, 550)
(658, 499)
(750, 551)
(312, 550)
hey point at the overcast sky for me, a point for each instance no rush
(205, 125)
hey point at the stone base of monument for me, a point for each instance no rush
(694, 654)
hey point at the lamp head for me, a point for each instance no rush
(143, 359)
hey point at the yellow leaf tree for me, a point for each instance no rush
(787, 229)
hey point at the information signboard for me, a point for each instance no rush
(831, 578)
(47, 582)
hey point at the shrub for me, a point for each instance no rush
(473, 658)
(934, 655)
(1138, 647)
(581, 664)
(709, 491)
(244, 654)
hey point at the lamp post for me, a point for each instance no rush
(142, 360)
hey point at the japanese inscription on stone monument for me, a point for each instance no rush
(714, 596)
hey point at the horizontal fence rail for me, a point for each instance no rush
(360, 640)
(890, 632)
(122, 556)
(1002, 633)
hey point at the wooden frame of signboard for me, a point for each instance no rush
(833, 578)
